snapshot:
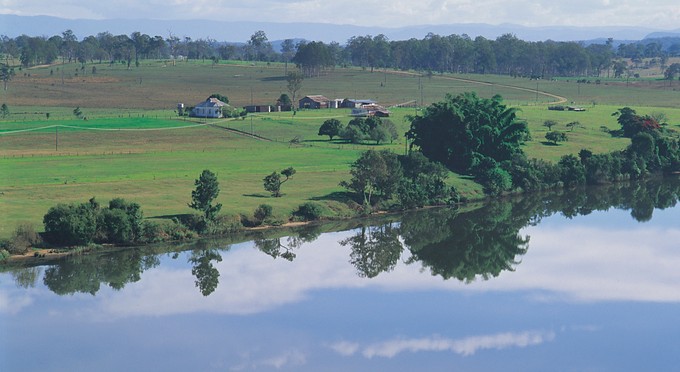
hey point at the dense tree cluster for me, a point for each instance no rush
(453, 53)
(81, 224)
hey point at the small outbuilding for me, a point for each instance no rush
(210, 108)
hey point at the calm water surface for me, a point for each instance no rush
(585, 280)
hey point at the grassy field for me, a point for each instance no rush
(134, 146)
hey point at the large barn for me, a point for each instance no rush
(314, 102)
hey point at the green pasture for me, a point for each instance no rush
(133, 145)
(589, 135)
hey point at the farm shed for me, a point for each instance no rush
(314, 102)
(210, 108)
(356, 103)
(258, 108)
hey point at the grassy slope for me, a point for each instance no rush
(157, 167)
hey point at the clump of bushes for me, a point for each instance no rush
(308, 211)
(85, 223)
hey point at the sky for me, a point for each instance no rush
(656, 14)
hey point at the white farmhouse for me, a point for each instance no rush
(210, 108)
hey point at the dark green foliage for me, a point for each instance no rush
(85, 223)
(463, 128)
(602, 168)
(263, 212)
(4, 111)
(423, 182)
(532, 174)
(115, 226)
(222, 98)
(549, 124)
(153, 232)
(284, 101)
(632, 124)
(273, 182)
(356, 131)
(207, 189)
(71, 224)
(572, 172)
(330, 128)
(309, 211)
(374, 173)
(207, 276)
(414, 180)
(490, 175)
(370, 128)
(556, 136)
(573, 125)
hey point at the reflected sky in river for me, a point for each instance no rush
(592, 289)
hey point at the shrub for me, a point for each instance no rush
(72, 224)
(4, 254)
(572, 171)
(309, 212)
(115, 227)
(224, 224)
(153, 232)
(22, 239)
(177, 231)
(263, 212)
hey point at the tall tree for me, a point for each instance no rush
(6, 74)
(287, 52)
(207, 276)
(259, 46)
(312, 58)
(273, 182)
(330, 128)
(294, 80)
(374, 173)
(207, 189)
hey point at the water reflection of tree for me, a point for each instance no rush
(26, 277)
(85, 273)
(207, 276)
(375, 249)
(483, 242)
(275, 247)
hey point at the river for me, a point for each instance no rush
(585, 279)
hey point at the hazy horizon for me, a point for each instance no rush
(661, 14)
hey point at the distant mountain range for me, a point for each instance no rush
(13, 26)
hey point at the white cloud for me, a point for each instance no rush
(287, 359)
(344, 348)
(464, 346)
(12, 303)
